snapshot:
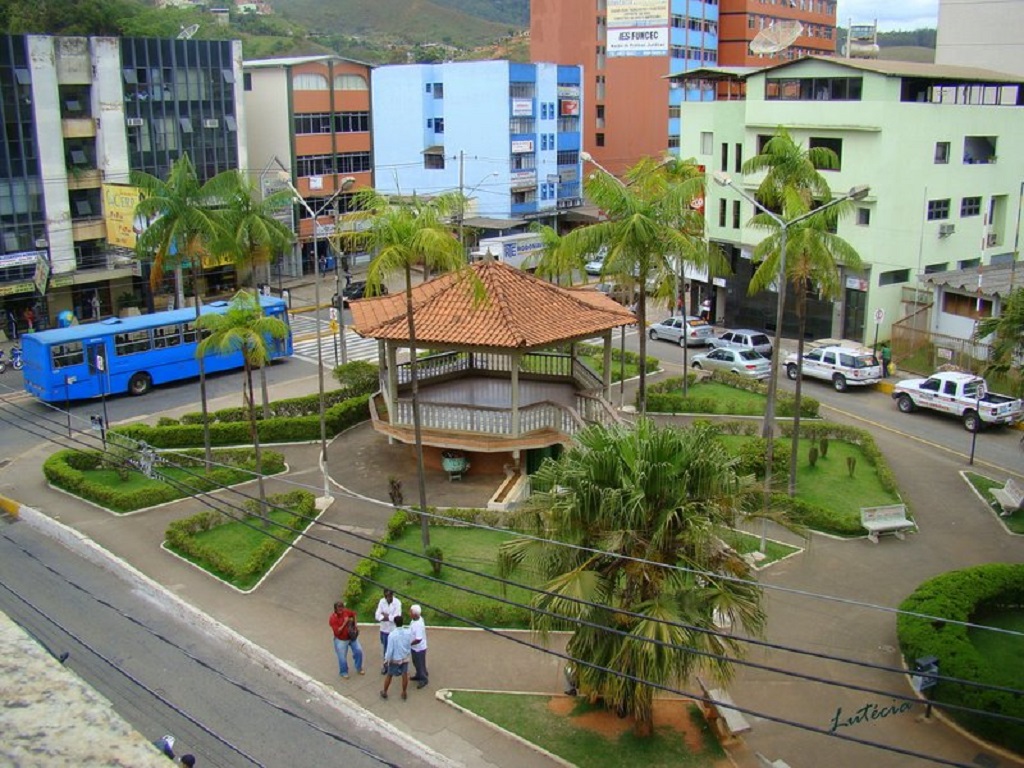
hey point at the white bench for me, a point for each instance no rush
(1010, 497)
(888, 519)
(724, 720)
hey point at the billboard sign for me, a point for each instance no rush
(638, 41)
(638, 13)
(522, 145)
(522, 107)
(119, 201)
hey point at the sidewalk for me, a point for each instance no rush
(287, 615)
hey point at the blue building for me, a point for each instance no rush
(506, 134)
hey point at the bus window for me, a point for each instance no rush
(64, 355)
(167, 336)
(132, 343)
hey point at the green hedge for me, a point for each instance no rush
(368, 566)
(631, 358)
(666, 397)
(180, 537)
(962, 596)
(307, 405)
(281, 429)
(67, 470)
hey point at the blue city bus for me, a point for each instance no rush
(129, 354)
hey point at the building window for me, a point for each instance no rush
(673, 141)
(966, 306)
(247, 81)
(894, 276)
(599, 139)
(979, 150)
(938, 210)
(738, 165)
(309, 81)
(931, 269)
(813, 89)
(350, 83)
(522, 125)
(863, 216)
(735, 214)
(707, 143)
(725, 157)
(433, 162)
(941, 152)
(723, 207)
(522, 90)
(970, 206)
(438, 125)
(673, 112)
(836, 145)
(438, 90)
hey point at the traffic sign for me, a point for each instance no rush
(334, 313)
(879, 316)
(334, 326)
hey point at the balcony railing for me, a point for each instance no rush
(449, 417)
(533, 365)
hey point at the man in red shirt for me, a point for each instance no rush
(343, 625)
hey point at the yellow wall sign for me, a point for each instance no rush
(119, 201)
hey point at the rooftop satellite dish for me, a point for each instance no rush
(777, 36)
(187, 32)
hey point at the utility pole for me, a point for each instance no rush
(462, 200)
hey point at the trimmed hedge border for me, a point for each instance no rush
(665, 397)
(961, 596)
(809, 515)
(341, 415)
(369, 565)
(180, 537)
(66, 470)
(632, 358)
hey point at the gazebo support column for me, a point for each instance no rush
(607, 365)
(516, 357)
(392, 374)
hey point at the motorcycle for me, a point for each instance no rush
(16, 361)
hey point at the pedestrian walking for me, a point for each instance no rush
(30, 319)
(418, 631)
(12, 326)
(396, 657)
(346, 636)
(705, 310)
(886, 359)
(389, 608)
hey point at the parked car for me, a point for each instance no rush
(744, 338)
(963, 395)
(694, 332)
(596, 264)
(356, 290)
(743, 362)
(843, 366)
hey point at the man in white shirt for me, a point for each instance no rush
(396, 657)
(389, 608)
(418, 630)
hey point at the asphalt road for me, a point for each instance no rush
(165, 676)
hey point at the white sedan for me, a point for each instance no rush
(694, 332)
(743, 362)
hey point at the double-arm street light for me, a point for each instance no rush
(346, 182)
(768, 429)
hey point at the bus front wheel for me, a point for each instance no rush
(140, 384)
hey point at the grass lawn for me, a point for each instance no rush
(596, 364)
(727, 399)
(745, 543)
(984, 486)
(468, 547)
(1002, 652)
(828, 484)
(589, 736)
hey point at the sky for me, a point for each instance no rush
(891, 14)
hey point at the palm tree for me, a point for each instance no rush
(651, 229)
(401, 234)
(632, 503)
(1007, 331)
(792, 187)
(814, 260)
(556, 262)
(183, 221)
(249, 233)
(244, 328)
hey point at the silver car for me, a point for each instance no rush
(743, 362)
(744, 338)
(693, 332)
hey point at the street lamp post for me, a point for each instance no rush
(347, 182)
(768, 428)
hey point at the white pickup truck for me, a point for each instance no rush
(962, 394)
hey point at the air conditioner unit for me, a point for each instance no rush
(991, 240)
(134, 122)
(211, 122)
(945, 230)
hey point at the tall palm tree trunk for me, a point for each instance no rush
(417, 430)
(254, 433)
(801, 313)
(208, 450)
(641, 322)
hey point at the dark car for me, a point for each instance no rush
(357, 290)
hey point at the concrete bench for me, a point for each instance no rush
(723, 719)
(888, 519)
(1010, 497)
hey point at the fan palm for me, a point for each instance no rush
(643, 510)
(183, 222)
(244, 328)
(1007, 331)
(652, 229)
(402, 234)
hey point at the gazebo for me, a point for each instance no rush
(502, 375)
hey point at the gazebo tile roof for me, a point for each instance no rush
(520, 311)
